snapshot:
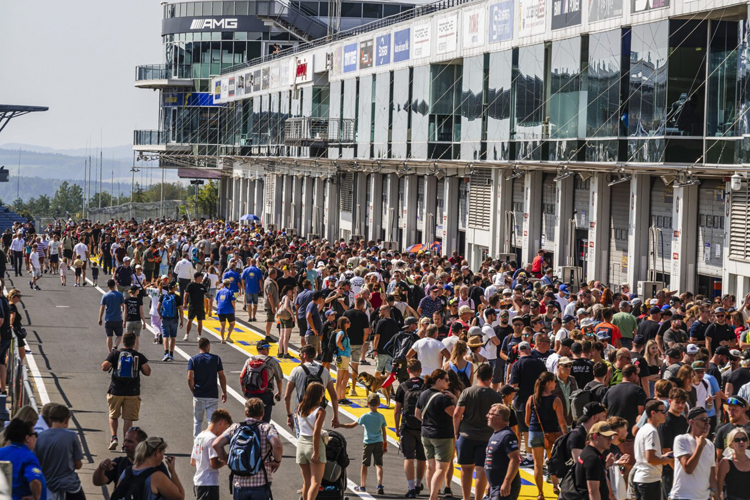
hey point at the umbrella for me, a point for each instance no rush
(250, 217)
(416, 248)
(436, 246)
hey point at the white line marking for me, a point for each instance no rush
(37, 379)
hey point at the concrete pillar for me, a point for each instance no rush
(375, 207)
(684, 237)
(277, 201)
(429, 224)
(640, 201)
(503, 192)
(409, 215)
(532, 216)
(318, 200)
(260, 206)
(391, 208)
(599, 228)
(297, 204)
(222, 198)
(250, 193)
(450, 216)
(331, 211)
(236, 198)
(359, 210)
(564, 210)
(286, 200)
(306, 220)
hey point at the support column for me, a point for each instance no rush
(564, 209)
(222, 198)
(684, 238)
(236, 195)
(331, 211)
(392, 222)
(297, 204)
(450, 216)
(318, 200)
(243, 197)
(599, 228)
(359, 209)
(532, 216)
(429, 221)
(307, 206)
(503, 191)
(286, 201)
(640, 200)
(375, 208)
(260, 206)
(277, 202)
(250, 190)
(409, 215)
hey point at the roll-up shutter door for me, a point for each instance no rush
(480, 199)
(618, 240)
(518, 210)
(581, 202)
(346, 192)
(711, 228)
(661, 217)
(270, 186)
(549, 212)
(739, 226)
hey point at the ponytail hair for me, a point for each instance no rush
(433, 377)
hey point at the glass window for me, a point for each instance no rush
(605, 59)
(217, 9)
(207, 11)
(565, 86)
(198, 8)
(227, 35)
(390, 10)
(529, 92)
(372, 10)
(309, 8)
(351, 9)
(216, 36)
(470, 104)
(499, 104)
(687, 67)
(228, 8)
(323, 9)
(190, 9)
(180, 10)
(648, 79)
(240, 8)
(240, 35)
(251, 8)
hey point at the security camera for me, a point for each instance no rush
(736, 182)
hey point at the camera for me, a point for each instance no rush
(736, 182)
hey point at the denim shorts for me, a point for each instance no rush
(169, 327)
(536, 439)
(251, 298)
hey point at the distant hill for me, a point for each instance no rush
(33, 187)
(125, 151)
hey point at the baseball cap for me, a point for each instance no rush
(735, 353)
(475, 330)
(654, 310)
(722, 350)
(737, 400)
(569, 318)
(581, 311)
(330, 312)
(411, 320)
(507, 291)
(126, 259)
(564, 289)
(507, 389)
(696, 411)
(603, 429)
(567, 342)
(674, 353)
(719, 310)
(524, 345)
(262, 344)
(639, 340)
(591, 409)
(587, 322)
(699, 365)
(692, 349)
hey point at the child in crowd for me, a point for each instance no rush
(95, 274)
(374, 442)
(78, 265)
(63, 272)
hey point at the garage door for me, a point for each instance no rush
(710, 227)
(581, 202)
(618, 239)
(661, 218)
(549, 212)
(518, 209)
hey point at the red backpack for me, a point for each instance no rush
(254, 378)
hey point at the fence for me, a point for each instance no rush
(139, 211)
(20, 391)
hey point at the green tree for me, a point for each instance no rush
(207, 198)
(68, 199)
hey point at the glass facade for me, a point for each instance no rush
(472, 108)
(445, 111)
(499, 105)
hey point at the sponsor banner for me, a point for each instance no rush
(531, 17)
(383, 50)
(231, 86)
(646, 5)
(256, 80)
(210, 24)
(198, 173)
(501, 21)
(565, 13)
(217, 90)
(473, 28)
(304, 69)
(447, 33)
(401, 45)
(350, 57)
(240, 91)
(284, 72)
(365, 54)
(187, 99)
(248, 82)
(422, 40)
(338, 60)
(265, 78)
(599, 10)
(224, 88)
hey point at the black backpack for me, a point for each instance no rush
(332, 345)
(560, 461)
(132, 485)
(411, 396)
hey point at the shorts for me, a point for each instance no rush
(384, 363)
(36, 273)
(127, 406)
(314, 341)
(515, 490)
(372, 450)
(226, 317)
(521, 417)
(440, 449)
(113, 328)
(54, 259)
(286, 323)
(471, 451)
(498, 368)
(198, 313)
(4, 347)
(251, 298)
(84, 264)
(211, 293)
(169, 327)
(536, 439)
(411, 444)
(305, 450)
(133, 327)
(206, 492)
(342, 362)
(356, 352)
(67, 254)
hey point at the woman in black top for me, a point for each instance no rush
(435, 409)
(544, 416)
(14, 297)
(734, 473)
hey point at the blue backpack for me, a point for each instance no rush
(169, 306)
(127, 366)
(245, 456)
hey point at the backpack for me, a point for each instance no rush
(127, 365)
(579, 399)
(254, 378)
(245, 456)
(462, 375)
(312, 377)
(131, 487)
(568, 489)
(409, 407)
(332, 345)
(169, 306)
(559, 461)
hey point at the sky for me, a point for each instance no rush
(78, 57)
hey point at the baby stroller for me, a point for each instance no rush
(333, 486)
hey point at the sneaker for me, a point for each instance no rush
(364, 362)
(230, 341)
(84, 283)
(288, 356)
(360, 489)
(156, 340)
(380, 491)
(344, 402)
(411, 494)
(171, 357)
(448, 493)
(185, 338)
(113, 443)
(31, 285)
(527, 462)
(419, 488)
(166, 357)
(36, 287)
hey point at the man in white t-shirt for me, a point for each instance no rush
(82, 252)
(206, 479)
(429, 350)
(695, 463)
(648, 457)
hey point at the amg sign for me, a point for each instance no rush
(206, 24)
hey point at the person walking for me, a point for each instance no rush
(16, 248)
(194, 302)
(203, 369)
(648, 454)
(170, 312)
(35, 267)
(252, 378)
(134, 319)
(184, 271)
(311, 453)
(409, 427)
(271, 293)
(225, 307)
(503, 457)
(149, 456)
(206, 478)
(109, 471)
(124, 275)
(111, 310)
(252, 280)
(694, 474)
(733, 473)
(359, 332)
(123, 395)
(307, 372)
(81, 251)
(60, 455)
(590, 470)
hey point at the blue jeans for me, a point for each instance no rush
(259, 493)
(201, 406)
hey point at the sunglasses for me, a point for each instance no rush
(740, 440)
(735, 401)
(34, 434)
(702, 419)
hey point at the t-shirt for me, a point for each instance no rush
(312, 309)
(590, 467)
(674, 336)
(489, 349)
(477, 401)
(672, 427)
(233, 276)
(698, 330)
(401, 392)
(501, 444)
(695, 485)
(623, 400)
(386, 328)
(299, 377)
(627, 324)
(436, 423)
(112, 302)
(195, 292)
(718, 333)
(358, 323)
(373, 422)
(577, 439)
(125, 386)
(647, 439)
(583, 371)
(26, 469)
(205, 367)
(524, 373)
(133, 308)
(58, 450)
(253, 278)
(648, 329)
(720, 441)
(202, 453)
(429, 353)
(80, 250)
(738, 378)
(224, 298)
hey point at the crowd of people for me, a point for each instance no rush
(604, 394)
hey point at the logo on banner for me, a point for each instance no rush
(205, 24)
(501, 21)
(350, 57)
(401, 43)
(473, 31)
(383, 50)
(365, 54)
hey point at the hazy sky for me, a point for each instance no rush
(78, 57)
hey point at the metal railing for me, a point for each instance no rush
(414, 13)
(308, 130)
(149, 137)
(162, 72)
(292, 18)
(20, 391)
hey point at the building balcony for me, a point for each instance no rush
(160, 76)
(318, 132)
(156, 140)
